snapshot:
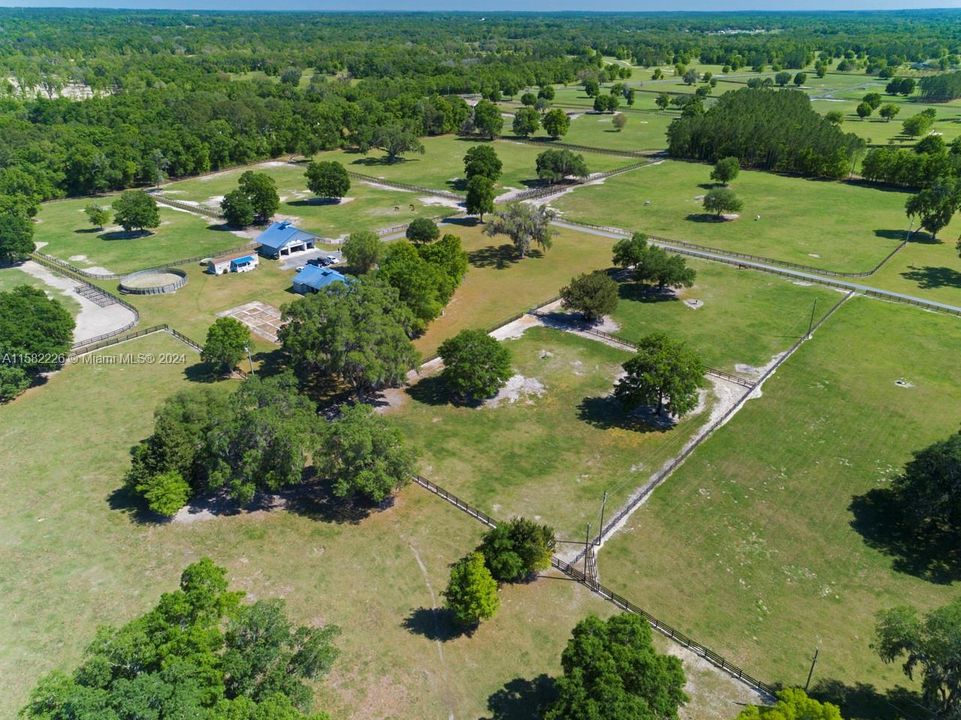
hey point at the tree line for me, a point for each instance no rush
(766, 129)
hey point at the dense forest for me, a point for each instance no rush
(174, 94)
(767, 129)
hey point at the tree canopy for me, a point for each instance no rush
(358, 331)
(516, 550)
(557, 164)
(593, 295)
(35, 336)
(482, 160)
(766, 129)
(327, 179)
(227, 341)
(524, 224)
(200, 653)
(612, 670)
(363, 455)
(471, 593)
(664, 374)
(930, 646)
(476, 365)
(136, 210)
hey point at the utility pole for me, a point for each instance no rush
(249, 359)
(600, 530)
(811, 321)
(587, 548)
(814, 661)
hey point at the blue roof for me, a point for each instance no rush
(281, 234)
(318, 277)
(242, 260)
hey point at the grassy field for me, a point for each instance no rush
(550, 456)
(75, 558)
(644, 131)
(12, 277)
(764, 563)
(62, 230)
(925, 269)
(194, 307)
(823, 224)
(364, 208)
(497, 286)
(746, 317)
(442, 164)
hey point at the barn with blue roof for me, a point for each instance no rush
(284, 238)
(313, 278)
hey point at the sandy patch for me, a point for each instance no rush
(379, 186)
(517, 388)
(93, 319)
(441, 201)
(693, 303)
(730, 216)
(77, 258)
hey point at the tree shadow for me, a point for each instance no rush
(862, 701)
(88, 231)
(431, 390)
(706, 218)
(126, 500)
(928, 277)
(494, 256)
(125, 235)
(314, 202)
(923, 552)
(607, 413)
(522, 699)
(465, 221)
(433, 623)
(202, 372)
(639, 292)
(458, 185)
(385, 160)
(921, 238)
(316, 500)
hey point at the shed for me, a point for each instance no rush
(283, 238)
(313, 278)
(233, 263)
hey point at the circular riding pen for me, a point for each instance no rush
(156, 281)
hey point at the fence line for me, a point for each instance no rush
(554, 189)
(66, 270)
(662, 474)
(180, 205)
(405, 186)
(730, 377)
(116, 276)
(584, 148)
(747, 256)
(568, 569)
(94, 344)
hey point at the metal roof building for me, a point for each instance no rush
(283, 238)
(313, 278)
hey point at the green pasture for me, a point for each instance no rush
(498, 285)
(11, 277)
(742, 318)
(442, 164)
(827, 225)
(365, 207)
(62, 230)
(751, 545)
(77, 556)
(548, 456)
(644, 131)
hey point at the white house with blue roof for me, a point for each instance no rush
(313, 278)
(284, 238)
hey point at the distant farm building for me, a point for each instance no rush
(236, 263)
(283, 238)
(313, 278)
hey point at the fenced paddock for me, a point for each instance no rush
(158, 281)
